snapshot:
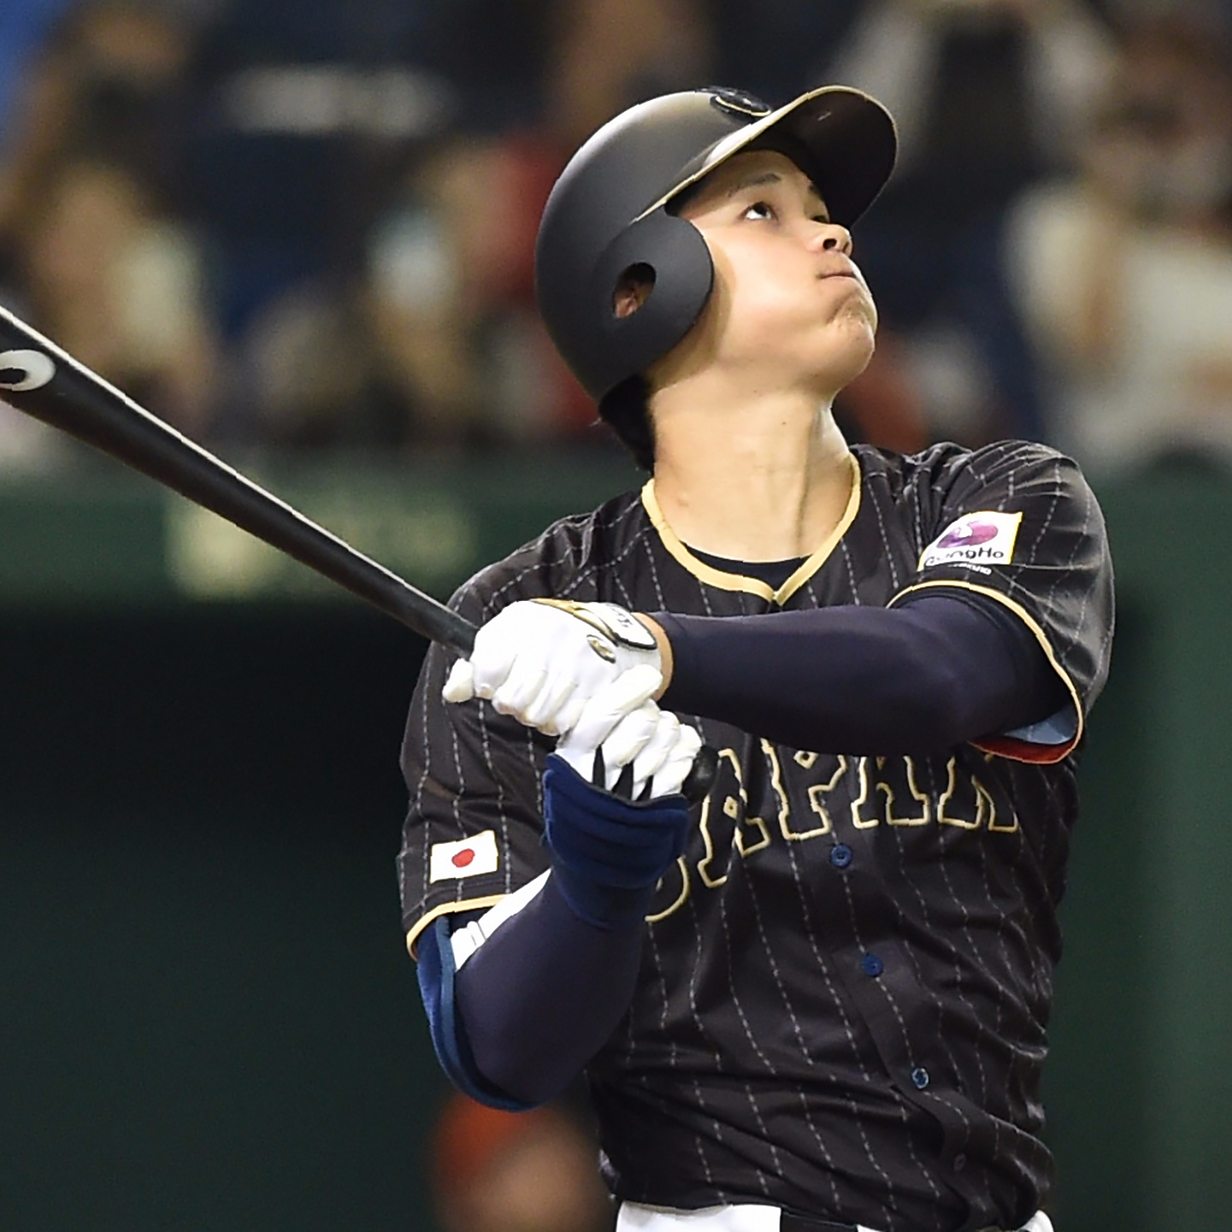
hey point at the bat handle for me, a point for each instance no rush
(700, 779)
(440, 624)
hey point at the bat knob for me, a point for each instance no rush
(700, 779)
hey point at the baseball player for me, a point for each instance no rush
(817, 998)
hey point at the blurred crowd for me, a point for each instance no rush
(308, 228)
(493, 1171)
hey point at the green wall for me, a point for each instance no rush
(210, 1022)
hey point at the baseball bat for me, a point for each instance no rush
(40, 379)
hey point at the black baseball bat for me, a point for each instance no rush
(40, 379)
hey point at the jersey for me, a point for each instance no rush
(846, 980)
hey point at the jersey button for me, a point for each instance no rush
(840, 855)
(919, 1077)
(870, 964)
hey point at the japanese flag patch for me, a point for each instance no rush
(468, 857)
(984, 538)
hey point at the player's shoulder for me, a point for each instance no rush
(947, 460)
(947, 469)
(556, 562)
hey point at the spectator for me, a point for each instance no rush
(441, 337)
(1125, 272)
(108, 86)
(299, 111)
(120, 288)
(23, 26)
(987, 92)
(433, 341)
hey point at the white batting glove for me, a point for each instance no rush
(542, 660)
(623, 738)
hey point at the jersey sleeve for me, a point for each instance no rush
(1018, 524)
(473, 830)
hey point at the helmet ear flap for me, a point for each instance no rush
(671, 256)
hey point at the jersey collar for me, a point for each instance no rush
(740, 581)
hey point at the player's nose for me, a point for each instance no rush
(829, 237)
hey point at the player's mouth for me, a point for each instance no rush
(845, 269)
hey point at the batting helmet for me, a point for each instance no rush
(608, 212)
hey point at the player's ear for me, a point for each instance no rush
(632, 290)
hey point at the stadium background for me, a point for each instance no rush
(301, 233)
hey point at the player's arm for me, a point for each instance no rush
(538, 999)
(922, 677)
(521, 996)
(934, 672)
(533, 991)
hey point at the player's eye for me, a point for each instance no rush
(759, 210)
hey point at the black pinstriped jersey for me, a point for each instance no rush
(846, 979)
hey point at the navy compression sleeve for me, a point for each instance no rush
(538, 999)
(920, 678)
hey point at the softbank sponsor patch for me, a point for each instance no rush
(984, 538)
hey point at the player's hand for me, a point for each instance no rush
(543, 660)
(613, 815)
(625, 744)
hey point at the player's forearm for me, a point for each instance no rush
(916, 679)
(543, 993)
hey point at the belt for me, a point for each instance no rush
(635, 1217)
(752, 1217)
(799, 1223)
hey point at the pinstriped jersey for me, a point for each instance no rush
(846, 979)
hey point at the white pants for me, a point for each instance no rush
(634, 1217)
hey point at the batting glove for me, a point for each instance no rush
(625, 744)
(543, 660)
(614, 818)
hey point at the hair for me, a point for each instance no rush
(627, 411)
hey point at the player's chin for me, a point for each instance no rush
(854, 324)
(851, 298)
(849, 342)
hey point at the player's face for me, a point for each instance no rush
(789, 303)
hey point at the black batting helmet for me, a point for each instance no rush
(608, 212)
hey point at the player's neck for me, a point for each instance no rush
(755, 484)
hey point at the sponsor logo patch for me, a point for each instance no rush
(984, 538)
(468, 857)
